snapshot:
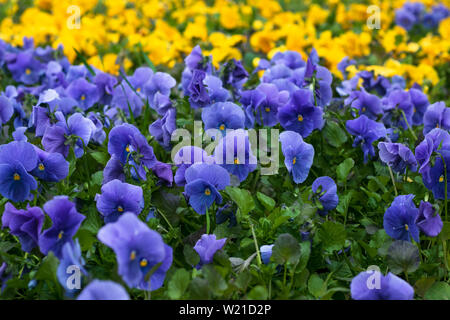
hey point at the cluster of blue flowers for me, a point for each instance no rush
(78, 107)
(414, 13)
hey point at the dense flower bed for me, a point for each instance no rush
(232, 150)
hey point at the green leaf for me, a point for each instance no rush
(191, 255)
(438, 291)
(97, 178)
(258, 293)
(332, 235)
(100, 157)
(178, 284)
(243, 198)
(316, 286)
(403, 256)
(344, 168)
(422, 285)
(47, 270)
(286, 249)
(334, 134)
(266, 201)
(199, 289)
(444, 235)
(216, 282)
(86, 238)
(305, 251)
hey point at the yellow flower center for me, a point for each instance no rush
(132, 255)
(60, 234)
(437, 125)
(300, 118)
(406, 227)
(138, 89)
(120, 209)
(236, 161)
(127, 148)
(41, 167)
(143, 263)
(294, 160)
(83, 97)
(441, 179)
(363, 109)
(222, 127)
(207, 191)
(267, 109)
(16, 177)
(27, 71)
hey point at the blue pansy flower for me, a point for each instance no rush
(298, 155)
(400, 219)
(203, 183)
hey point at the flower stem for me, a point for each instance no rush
(256, 244)
(409, 127)
(393, 181)
(208, 223)
(445, 186)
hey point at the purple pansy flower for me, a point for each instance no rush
(164, 172)
(187, 156)
(372, 285)
(206, 247)
(234, 74)
(105, 85)
(366, 132)
(400, 219)
(266, 253)
(203, 183)
(66, 221)
(56, 136)
(263, 103)
(298, 155)
(129, 146)
(437, 175)
(162, 129)
(327, 190)
(300, 114)
(160, 83)
(397, 106)
(404, 19)
(126, 98)
(428, 220)
(118, 197)
(103, 290)
(435, 139)
(17, 158)
(420, 103)
(223, 116)
(24, 224)
(113, 170)
(366, 103)
(70, 262)
(138, 250)
(85, 93)
(6, 110)
(234, 153)
(397, 156)
(198, 94)
(25, 68)
(437, 115)
(50, 167)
